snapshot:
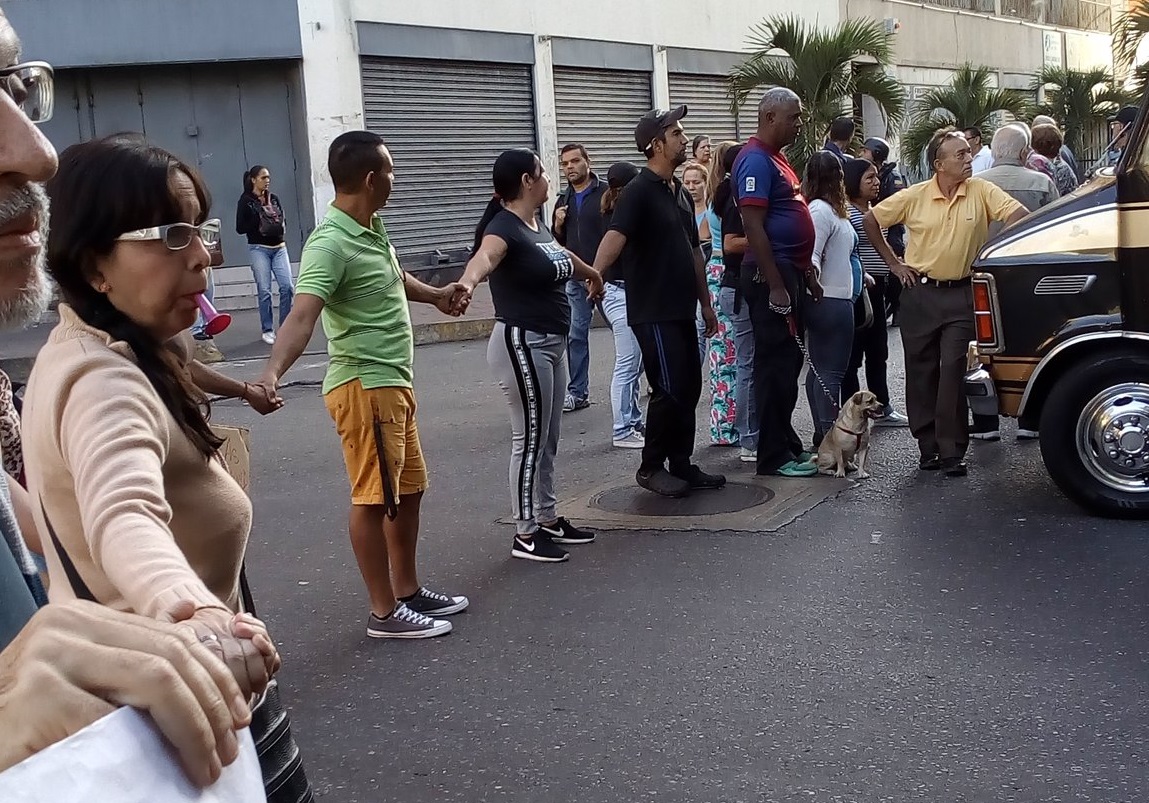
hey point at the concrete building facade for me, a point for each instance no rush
(226, 85)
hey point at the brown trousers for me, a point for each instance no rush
(937, 327)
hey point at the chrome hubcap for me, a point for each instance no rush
(1113, 437)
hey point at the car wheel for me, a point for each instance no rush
(1095, 434)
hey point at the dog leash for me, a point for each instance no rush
(792, 324)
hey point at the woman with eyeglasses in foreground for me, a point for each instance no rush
(136, 508)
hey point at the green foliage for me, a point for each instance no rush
(969, 101)
(1077, 99)
(818, 65)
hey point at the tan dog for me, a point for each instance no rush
(850, 436)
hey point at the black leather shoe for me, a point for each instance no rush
(931, 462)
(663, 483)
(954, 467)
(699, 480)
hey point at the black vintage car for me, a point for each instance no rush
(1062, 311)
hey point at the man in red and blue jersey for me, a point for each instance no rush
(776, 274)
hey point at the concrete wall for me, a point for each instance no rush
(330, 47)
(86, 33)
(936, 37)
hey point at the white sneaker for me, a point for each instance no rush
(748, 455)
(268, 338)
(995, 435)
(892, 419)
(1027, 434)
(632, 441)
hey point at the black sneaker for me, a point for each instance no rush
(662, 482)
(699, 480)
(538, 548)
(930, 462)
(954, 467)
(432, 603)
(563, 532)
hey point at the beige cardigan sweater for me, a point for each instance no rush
(146, 520)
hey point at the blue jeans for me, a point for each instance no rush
(624, 391)
(267, 262)
(745, 403)
(578, 343)
(197, 328)
(830, 340)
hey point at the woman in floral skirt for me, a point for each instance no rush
(720, 361)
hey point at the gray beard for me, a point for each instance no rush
(26, 304)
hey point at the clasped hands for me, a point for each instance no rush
(455, 297)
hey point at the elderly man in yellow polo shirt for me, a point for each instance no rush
(947, 219)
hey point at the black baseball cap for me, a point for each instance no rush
(1125, 116)
(620, 174)
(879, 147)
(653, 123)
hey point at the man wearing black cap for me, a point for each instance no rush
(1119, 127)
(653, 230)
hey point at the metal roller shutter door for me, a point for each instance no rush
(445, 122)
(600, 109)
(709, 105)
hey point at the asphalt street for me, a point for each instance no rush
(914, 638)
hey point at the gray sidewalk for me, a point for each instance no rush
(241, 341)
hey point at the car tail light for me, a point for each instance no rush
(986, 315)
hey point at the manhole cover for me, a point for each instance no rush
(634, 501)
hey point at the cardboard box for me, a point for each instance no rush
(236, 452)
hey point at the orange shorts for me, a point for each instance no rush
(377, 428)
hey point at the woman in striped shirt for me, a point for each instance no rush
(870, 342)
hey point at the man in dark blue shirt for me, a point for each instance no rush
(776, 273)
(841, 134)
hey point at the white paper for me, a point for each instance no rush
(122, 758)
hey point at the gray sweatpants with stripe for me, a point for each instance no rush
(531, 367)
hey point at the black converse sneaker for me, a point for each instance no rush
(432, 603)
(563, 532)
(405, 623)
(538, 547)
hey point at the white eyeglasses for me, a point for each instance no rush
(177, 236)
(32, 87)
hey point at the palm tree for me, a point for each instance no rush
(819, 68)
(1078, 99)
(1129, 31)
(968, 102)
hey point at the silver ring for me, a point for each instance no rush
(210, 638)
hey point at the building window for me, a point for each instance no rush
(1084, 15)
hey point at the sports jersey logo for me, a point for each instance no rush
(751, 184)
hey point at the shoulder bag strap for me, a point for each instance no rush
(79, 587)
(245, 592)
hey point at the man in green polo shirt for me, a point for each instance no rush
(350, 275)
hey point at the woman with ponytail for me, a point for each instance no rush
(138, 510)
(528, 271)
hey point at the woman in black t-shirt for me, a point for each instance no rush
(528, 273)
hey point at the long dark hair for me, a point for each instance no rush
(507, 176)
(724, 194)
(250, 176)
(823, 182)
(854, 171)
(104, 188)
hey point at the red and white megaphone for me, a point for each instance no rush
(214, 320)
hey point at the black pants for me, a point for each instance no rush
(670, 356)
(777, 366)
(871, 344)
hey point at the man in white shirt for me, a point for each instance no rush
(982, 157)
